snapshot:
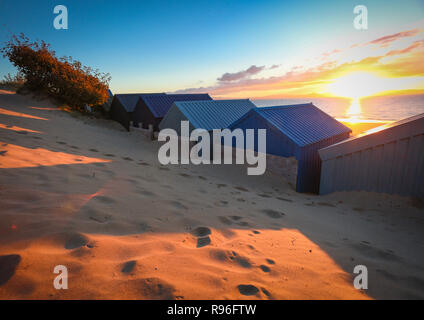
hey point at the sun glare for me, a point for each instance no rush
(364, 84)
(357, 85)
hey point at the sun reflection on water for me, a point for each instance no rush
(354, 111)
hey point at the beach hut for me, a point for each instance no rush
(388, 159)
(296, 131)
(150, 109)
(106, 106)
(208, 115)
(123, 105)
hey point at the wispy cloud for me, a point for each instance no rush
(386, 40)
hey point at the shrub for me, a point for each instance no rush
(63, 79)
(13, 82)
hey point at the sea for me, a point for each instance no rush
(379, 108)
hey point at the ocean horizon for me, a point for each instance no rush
(379, 108)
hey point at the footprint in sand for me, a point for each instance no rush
(8, 265)
(75, 240)
(60, 142)
(202, 178)
(256, 232)
(221, 203)
(104, 199)
(127, 159)
(142, 163)
(247, 289)
(185, 175)
(147, 193)
(241, 189)
(225, 220)
(177, 205)
(267, 293)
(264, 195)
(264, 268)
(94, 150)
(128, 266)
(284, 199)
(270, 261)
(74, 147)
(367, 250)
(202, 234)
(99, 217)
(273, 214)
(231, 257)
(108, 155)
(3, 153)
(155, 289)
(221, 185)
(244, 224)
(201, 242)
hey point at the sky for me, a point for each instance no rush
(234, 49)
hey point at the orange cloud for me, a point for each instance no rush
(386, 40)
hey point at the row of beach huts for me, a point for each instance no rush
(387, 159)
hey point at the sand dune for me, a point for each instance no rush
(85, 194)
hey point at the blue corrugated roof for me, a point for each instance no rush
(160, 105)
(215, 114)
(129, 100)
(305, 124)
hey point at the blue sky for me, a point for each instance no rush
(170, 45)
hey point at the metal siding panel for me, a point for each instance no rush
(348, 171)
(387, 133)
(408, 174)
(277, 143)
(418, 145)
(214, 114)
(327, 180)
(377, 164)
(305, 124)
(356, 167)
(337, 173)
(386, 181)
(420, 177)
(392, 163)
(369, 169)
(400, 163)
